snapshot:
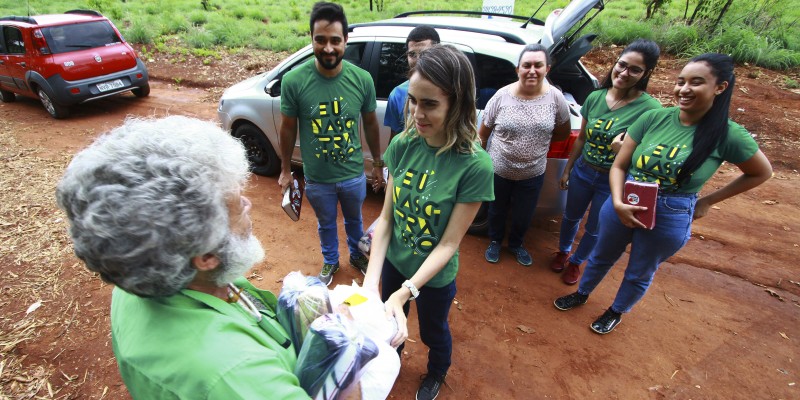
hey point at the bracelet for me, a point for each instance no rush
(413, 289)
(378, 164)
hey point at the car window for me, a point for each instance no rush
(355, 53)
(90, 35)
(12, 40)
(492, 74)
(392, 68)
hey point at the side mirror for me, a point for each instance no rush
(273, 88)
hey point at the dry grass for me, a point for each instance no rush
(38, 271)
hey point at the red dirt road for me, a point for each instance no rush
(721, 321)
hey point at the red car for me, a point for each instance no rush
(67, 59)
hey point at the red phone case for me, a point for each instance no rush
(642, 194)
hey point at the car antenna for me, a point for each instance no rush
(525, 25)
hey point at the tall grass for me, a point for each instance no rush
(762, 32)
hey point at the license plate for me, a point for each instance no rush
(110, 85)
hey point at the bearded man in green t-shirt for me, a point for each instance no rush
(323, 99)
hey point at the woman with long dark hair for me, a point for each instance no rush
(607, 113)
(680, 148)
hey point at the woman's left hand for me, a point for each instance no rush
(701, 208)
(626, 212)
(394, 309)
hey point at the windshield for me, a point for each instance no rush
(89, 35)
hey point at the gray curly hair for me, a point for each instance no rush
(148, 196)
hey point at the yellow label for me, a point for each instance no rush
(355, 300)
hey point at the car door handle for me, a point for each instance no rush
(22, 64)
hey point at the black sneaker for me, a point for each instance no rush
(570, 301)
(326, 275)
(359, 262)
(429, 388)
(607, 322)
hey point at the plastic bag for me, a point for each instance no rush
(332, 358)
(365, 243)
(370, 319)
(301, 301)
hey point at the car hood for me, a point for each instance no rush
(558, 24)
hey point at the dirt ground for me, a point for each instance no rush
(721, 321)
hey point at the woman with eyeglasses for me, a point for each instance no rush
(607, 113)
(680, 148)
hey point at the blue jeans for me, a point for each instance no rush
(649, 248)
(324, 198)
(522, 197)
(433, 308)
(586, 186)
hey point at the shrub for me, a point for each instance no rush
(139, 31)
(198, 18)
(199, 38)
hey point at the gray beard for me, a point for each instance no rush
(238, 256)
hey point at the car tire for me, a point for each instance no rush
(262, 157)
(55, 110)
(142, 91)
(7, 97)
(480, 225)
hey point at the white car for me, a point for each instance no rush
(251, 109)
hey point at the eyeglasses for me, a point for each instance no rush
(632, 69)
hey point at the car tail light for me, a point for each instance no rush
(563, 148)
(139, 76)
(40, 43)
(75, 90)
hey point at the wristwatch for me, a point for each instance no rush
(378, 164)
(412, 288)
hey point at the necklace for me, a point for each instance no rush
(624, 97)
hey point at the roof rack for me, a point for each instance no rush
(535, 21)
(508, 37)
(85, 12)
(28, 20)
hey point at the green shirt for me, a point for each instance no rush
(327, 112)
(196, 346)
(426, 189)
(664, 144)
(603, 124)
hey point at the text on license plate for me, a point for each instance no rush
(110, 85)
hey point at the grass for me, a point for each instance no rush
(762, 32)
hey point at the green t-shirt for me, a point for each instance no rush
(196, 346)
(327, 112)
(426, 189)
(664, 144)
(602, 124)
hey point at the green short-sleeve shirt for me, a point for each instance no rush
(327, 112)
(196, 346)
(426, 189)
(603, 124)
(664, 144)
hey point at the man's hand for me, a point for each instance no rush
(285, 180)
(377, 179)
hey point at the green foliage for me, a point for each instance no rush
(198, 18)
(176, 24)
(791, 83)
(139, 31)
(198, 38)
(761, 32)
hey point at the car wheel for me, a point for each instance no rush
(7, 97)
(480, 225)
(143, 91)
(262, 157)
(56, 110)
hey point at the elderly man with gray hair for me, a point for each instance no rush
(156, 208)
